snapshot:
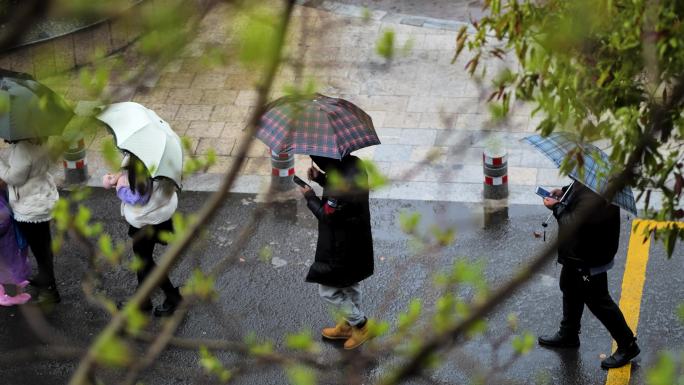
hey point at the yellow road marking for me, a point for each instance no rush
(633, 285)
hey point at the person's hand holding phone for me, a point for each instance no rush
(550, 202)
(313, 173)
(305, 190)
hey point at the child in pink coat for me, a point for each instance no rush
(14, 263)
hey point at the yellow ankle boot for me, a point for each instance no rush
(358, 337)
(341, 331)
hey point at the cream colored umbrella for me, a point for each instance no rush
(143, 133)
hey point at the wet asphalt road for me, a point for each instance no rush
(271, 301)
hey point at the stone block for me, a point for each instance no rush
(145, 95)
(184, 96)
(91, 43)
(221, 146)
(431, 154)
(176, 79)
(179, 126)
(256, 149)
(166, 111)
(21, 60)
(64, 53)
(418, 136)
(223, 165)
(437, 120)
(392, 153)
(204, 129)
(246, 98)
(194, 112)
(219, 97)
(258, 166)
(402, 120)
(522, 176)
(208, 81)
(43, 59)
(388, 135)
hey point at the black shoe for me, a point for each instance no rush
(622, 356)
(168, 307)
(560, 340)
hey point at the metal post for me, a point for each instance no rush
(282, 171)
(495, 167)
(75, 163)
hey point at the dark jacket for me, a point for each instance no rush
(344, 253)
(596, 241)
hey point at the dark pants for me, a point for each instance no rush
(579, 290)
(40, 241)
(144, 240)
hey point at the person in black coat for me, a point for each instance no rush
(586, 257)
(344, 252)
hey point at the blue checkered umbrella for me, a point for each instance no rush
(595, 169)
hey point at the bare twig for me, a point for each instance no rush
(204, 217)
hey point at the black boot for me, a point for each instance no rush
(560, 340)
(622, 356)
(168, 307)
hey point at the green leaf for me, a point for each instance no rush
(409, 222)
(664, 372)
(107, 249)
(524, 343)
(375, 178)
(112, 351)
(301, 341)
(266, 254)
(258, 348)
(200, 285)
(385, 44)
(258, 35)
(135, 319)
(213, 366)
(377, 328)
(408, 319)
(300, 375)
(443, 237)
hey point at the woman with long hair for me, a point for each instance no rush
(147, 205)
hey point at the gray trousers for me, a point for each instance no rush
(345, 301)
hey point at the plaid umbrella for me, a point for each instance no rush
(320, 125)
(594, 174)
(29, 109)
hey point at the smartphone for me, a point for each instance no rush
(299, 181)
(543, 193)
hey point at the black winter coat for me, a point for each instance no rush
(596, 241)
(344, 253)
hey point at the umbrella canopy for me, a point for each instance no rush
(143, 133)
(319, 125)
(595, 168)
(29, 109)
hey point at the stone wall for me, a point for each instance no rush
(65, 52)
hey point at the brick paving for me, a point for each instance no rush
(420, 103)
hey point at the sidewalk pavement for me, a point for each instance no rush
(420, 103)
